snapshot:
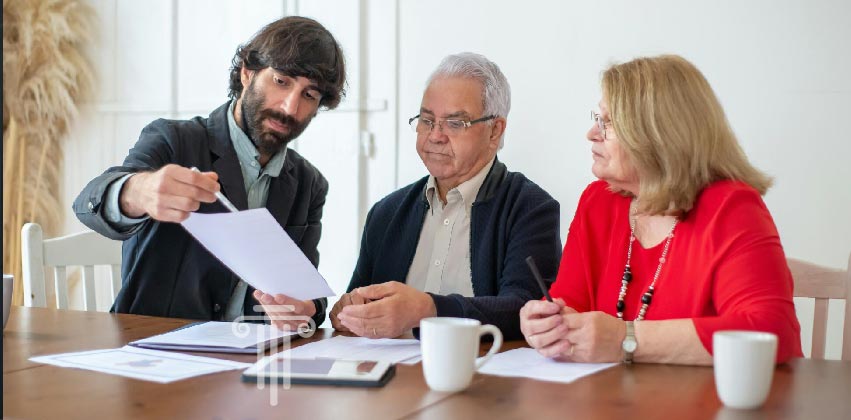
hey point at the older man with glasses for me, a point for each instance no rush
(454, 243)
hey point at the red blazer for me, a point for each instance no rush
(725, 267)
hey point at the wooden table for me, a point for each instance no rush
(804, 389)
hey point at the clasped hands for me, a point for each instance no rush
(383, 310)
(558, 331)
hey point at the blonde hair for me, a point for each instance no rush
(674, 132)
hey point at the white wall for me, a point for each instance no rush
(779, 68)
(170, 59)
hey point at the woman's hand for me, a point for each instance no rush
(544, 326)
(595, 337)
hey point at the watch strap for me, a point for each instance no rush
(630, 336)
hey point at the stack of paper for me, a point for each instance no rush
(389, 350)
(148, 365)
(219, 337)
(528, 363)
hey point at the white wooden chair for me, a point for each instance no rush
(86, 249)
(822, 283)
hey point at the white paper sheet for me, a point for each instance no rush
(148, 365)
(258, 250)
(226, 337)
(391, 350)
(528, 363)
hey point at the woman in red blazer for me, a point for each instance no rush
(674, 235)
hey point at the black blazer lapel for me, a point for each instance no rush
(282, 194)
(230, 178)
(225, 161)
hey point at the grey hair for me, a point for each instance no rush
(496, 93)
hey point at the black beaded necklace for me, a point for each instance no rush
(627, 273)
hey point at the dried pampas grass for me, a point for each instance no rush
(45, 76)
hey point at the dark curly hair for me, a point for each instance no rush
(296, 46)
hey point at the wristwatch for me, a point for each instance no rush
(629, 344)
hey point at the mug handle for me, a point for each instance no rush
(497, 343)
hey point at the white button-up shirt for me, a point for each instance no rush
(442, 260)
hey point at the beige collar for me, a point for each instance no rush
(468, 190)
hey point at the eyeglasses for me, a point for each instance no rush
(598, 119)
(450, 127)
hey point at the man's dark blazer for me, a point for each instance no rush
(165, 271)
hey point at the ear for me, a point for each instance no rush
(497, 129)
(245, 76)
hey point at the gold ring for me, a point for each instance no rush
(374, 333)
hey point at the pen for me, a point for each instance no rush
(531, 262)
(221, 197)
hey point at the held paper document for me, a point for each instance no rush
(147, 365)
(255, 247)
(528, 363)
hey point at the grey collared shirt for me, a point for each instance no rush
(442, 260)
(256, 180)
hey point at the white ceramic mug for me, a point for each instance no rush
(8, 283)
(744, 366)
(450, 347)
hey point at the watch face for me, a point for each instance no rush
(629, 346)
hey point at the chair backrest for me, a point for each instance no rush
(85, 249)
(822, 283)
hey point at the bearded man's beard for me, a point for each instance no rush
(268, 141)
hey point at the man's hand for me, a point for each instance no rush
(286, 313)
(169, 194)
(345, 300)
(395, 308)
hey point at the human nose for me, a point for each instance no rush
(594, 134)
(290, 103)
(437, 134)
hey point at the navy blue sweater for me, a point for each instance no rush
(511, 219)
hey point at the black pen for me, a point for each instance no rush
(531, 262)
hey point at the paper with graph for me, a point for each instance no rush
(148, 365)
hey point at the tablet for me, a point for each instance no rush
(363, 373)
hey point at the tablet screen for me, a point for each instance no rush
(319, 367)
